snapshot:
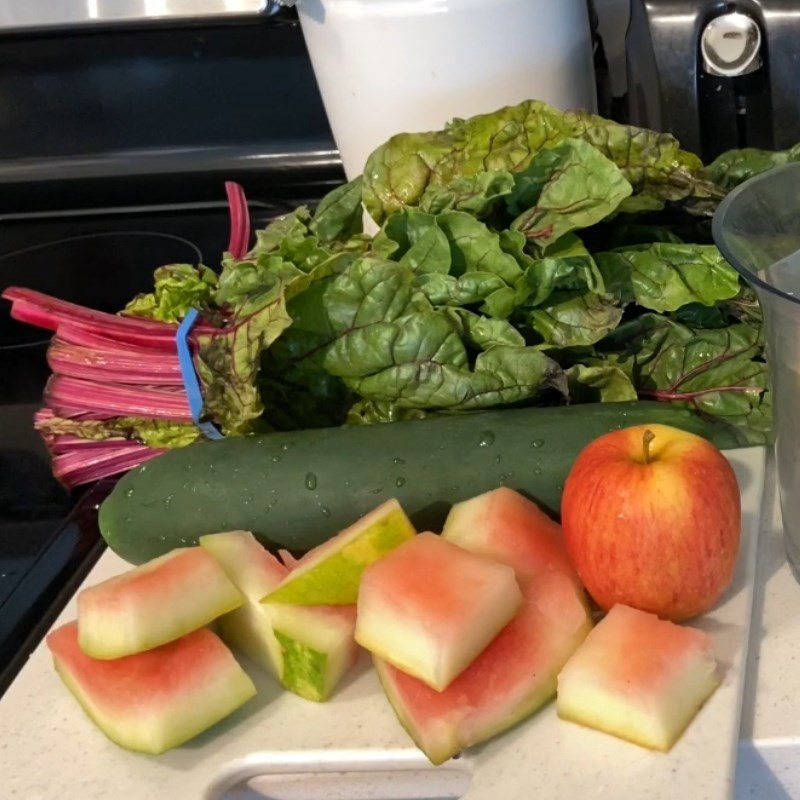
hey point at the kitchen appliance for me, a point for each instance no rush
(717, 75)
(116, 136)
(385, 66)
(757, 228)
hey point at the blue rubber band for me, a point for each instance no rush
(190, 381)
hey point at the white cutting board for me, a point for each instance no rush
(353, 748)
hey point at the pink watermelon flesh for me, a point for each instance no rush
(153, 604)
(507, 682)
(430, 607)
(638, 677)
(506, 526)
(156, 700)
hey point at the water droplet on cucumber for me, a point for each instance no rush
(486, 439)
(275, 459)
(285, 446)
(497, 459)
(398, 461)
(538, 442)
(325, 511)
(401, 481)
(537, 470)
(311, 481)
(129, 493)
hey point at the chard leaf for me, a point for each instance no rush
(574, 318)
(289, 238)
(228, 360)
(696, 315)
(486, 332)
(178, 288)
(393, 347)
(745, 307)
(477, 194)
(719, 372)
(296, 389)
(501, 375)
(457, 259)
(369, 412)
(398, 172)
(569, 186)
(736, 166)
(152, 432)
(664, 277)
(339, 214)
(501, 303)
(605, 383)
(253, 294)
(565, 265)
(469, 288)
(476, 248)
(428, 249)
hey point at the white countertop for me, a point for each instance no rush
(68, 751)
(769, 754)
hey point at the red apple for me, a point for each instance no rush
(651, 519)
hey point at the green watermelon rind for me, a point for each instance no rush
(178, 725)
(330, 574)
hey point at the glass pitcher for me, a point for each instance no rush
(757, 228)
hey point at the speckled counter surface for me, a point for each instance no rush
(768, 766)
(353, 747)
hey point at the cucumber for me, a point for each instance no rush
(297, 489)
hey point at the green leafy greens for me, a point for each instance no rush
(524, 256)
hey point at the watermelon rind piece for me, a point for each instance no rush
(330, 574)
(307, 648)
(505, 525)
(431, 607)
(639, 678)
(153, 604)
(247, 563)
(510, 680)
(153, 701)
(317, 645)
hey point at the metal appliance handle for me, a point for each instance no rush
(24, 15)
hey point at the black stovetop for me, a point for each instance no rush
(48, 536)
(115, 143)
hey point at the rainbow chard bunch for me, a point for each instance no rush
(525, 257)
(117, 396)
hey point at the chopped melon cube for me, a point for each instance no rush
(158, 699)
(153, 604)
(430, 607)
(506, 526)
(638, 677)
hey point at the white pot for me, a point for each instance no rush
(385, 66)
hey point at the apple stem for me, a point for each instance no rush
(646, 439)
